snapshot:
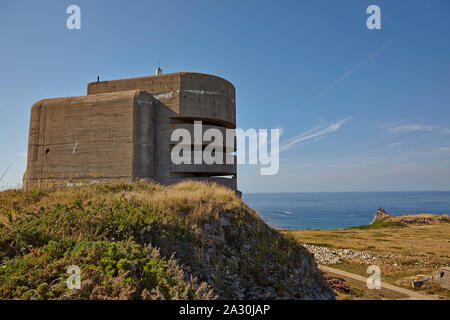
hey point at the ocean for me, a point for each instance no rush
(330, 210)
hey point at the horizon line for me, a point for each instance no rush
(279, 192)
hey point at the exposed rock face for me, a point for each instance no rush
(242, 258)
(380, 214)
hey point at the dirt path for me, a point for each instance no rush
(411, 294)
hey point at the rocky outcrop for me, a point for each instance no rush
(411, 219)
(423, 218)
(380, 214)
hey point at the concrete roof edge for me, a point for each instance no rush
(132, 93)
(165, 75)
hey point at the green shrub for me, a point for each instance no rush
(382, 223)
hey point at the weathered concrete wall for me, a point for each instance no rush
(121, 130)
(208, 98)
(144, 135)
(88, 139)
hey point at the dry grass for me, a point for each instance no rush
(417, 249)
(197, 198)
(426, 240)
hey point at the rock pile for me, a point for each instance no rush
(332, 256)
(424, 218)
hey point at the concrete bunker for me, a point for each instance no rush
(120, 131)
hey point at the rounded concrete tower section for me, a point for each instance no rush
(182, 99)
(208, 101)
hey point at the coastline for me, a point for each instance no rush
(298, 211)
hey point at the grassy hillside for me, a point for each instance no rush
(146, 241)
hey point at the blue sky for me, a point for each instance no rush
(360, 110)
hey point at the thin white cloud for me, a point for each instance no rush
(22, 154)
(394, 144)
(314, 133)
(346, 75)
(443, 149)
(413, 127)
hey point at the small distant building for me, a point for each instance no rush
(442, 277)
